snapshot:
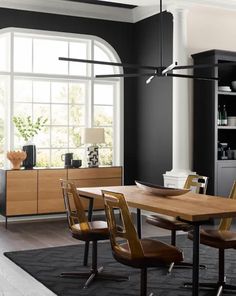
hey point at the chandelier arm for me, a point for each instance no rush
(152, 75)
(125, 65)
(128, 75)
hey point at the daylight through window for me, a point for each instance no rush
(33, 82)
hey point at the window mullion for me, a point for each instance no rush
(10, 126)
(68, 114)
(91, 101)
(50, 127)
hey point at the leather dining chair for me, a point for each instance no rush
(195, 183)
(86, 231)
(221, 239)
(132, 251)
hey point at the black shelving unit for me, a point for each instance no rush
(207, 133)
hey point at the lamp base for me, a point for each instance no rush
(93, 159)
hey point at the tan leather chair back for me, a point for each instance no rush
(196, 183)
(225, 223)
(71, 197)
(127, 231)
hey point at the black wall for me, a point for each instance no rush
(154, 108)
(147, 109)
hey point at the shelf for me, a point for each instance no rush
(227, 93)
(227, 127)
(226, 161)
(207, 133)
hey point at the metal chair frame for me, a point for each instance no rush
(79, 217)
(127, 232)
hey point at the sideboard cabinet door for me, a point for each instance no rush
(50, 199)
(226, 172)
(21, 192)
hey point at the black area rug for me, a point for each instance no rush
(45, 265)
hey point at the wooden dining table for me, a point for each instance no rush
(195, 209)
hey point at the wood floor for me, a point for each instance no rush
(34, 235)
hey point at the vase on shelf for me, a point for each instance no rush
(30, 160)
(16, 158)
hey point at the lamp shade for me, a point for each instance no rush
(93, 136)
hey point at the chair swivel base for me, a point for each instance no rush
(219, 286)
(94, 274)
(184, 265)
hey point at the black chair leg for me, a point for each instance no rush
(95, 272)
(86, 251)
(143, 288)
(173, 243)
(94, 256)
(143, 282)
(221, 267)
(173, 237)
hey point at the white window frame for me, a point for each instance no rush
(118, 106)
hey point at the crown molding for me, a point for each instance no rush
(71, 9)
(145, 10)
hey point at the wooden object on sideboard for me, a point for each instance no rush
(38, 191)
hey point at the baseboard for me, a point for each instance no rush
(41, 217)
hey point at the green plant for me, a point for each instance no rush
(27, 128)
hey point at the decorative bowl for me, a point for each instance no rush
(76, 163)
(160, 190)
(16, 157)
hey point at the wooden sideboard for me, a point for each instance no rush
(38, 191)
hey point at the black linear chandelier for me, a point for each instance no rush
(154, 71)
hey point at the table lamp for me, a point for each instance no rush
(93, 136)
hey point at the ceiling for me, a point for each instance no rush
(135, 2)
(106, 3)
(117, 10)
(218, 3)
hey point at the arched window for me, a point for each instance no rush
(36, 83)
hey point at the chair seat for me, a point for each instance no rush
(217, 239)
(168, 222)
(156, 253)
(97, 231)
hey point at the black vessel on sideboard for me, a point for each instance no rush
(30, 160)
